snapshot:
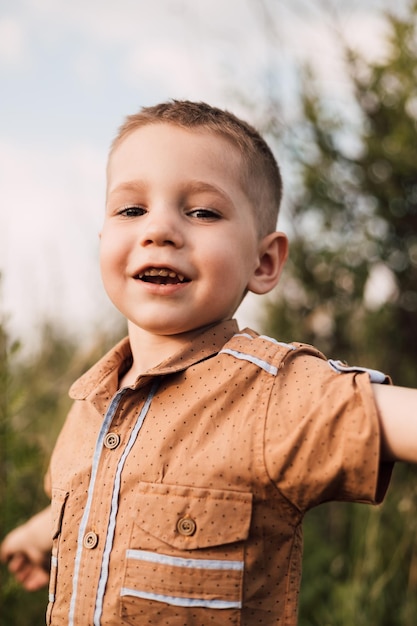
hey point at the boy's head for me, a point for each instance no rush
(260, 175)
(183, 239)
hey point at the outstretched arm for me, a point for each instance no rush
(27, 549)
(397, 408)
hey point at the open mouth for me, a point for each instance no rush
(161, 276)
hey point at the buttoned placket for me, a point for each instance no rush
(88, 539)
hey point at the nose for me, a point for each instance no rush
(161, 229)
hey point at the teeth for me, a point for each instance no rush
(161, 272)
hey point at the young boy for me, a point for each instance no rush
(192, 451)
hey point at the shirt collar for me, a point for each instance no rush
(104, 375)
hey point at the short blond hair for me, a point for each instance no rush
(260, 172)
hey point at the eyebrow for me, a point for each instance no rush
(194, 186)
(197, 186)
(128, 186)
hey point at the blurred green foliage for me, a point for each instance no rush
(354, 223)
(353, 213)
(21, 462)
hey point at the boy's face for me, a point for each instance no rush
(179, 244)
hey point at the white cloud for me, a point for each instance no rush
(209, 47)
(170, 46)
(12, 42)
(168, 68)
(89, 68)
(108, 22)
(51, 214)
(319, 41)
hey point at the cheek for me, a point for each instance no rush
(228, 272)
(235, 257)
(111, 250)
(218, 266)
(110, 263)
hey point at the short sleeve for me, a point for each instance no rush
(322, 439)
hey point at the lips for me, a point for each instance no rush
(161, 276)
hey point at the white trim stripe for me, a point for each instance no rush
(184, 602)
(164, 559)
(290, 346)
(104, 574)
(271, 369)
(283, 344)
(341, 368)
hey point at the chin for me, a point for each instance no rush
(163, 330)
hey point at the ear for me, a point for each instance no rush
(273, 252)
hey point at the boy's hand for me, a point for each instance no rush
(26, 550)
(29, 568)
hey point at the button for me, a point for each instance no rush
(186, 526)
(90, 540)
(111, 440)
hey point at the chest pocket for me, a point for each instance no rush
(187, 549)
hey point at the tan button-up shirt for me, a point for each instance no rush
(179, 501)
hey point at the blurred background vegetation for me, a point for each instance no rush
(350, 288)
(33, 405)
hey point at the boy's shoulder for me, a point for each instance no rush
(266, 352)
(272, 355)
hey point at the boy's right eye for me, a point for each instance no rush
(132, 211)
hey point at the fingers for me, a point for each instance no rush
(13, 544)
(27, 549)
(31, 576)
(35, 579)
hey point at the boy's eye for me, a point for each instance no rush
(204, 213)
(132, 211)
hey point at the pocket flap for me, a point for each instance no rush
(189, 518)
(59, 498)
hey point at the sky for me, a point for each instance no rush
(71, 71)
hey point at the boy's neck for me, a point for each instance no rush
(150, 350)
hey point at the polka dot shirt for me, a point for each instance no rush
(179, 501)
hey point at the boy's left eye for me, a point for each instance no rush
(204, 213)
